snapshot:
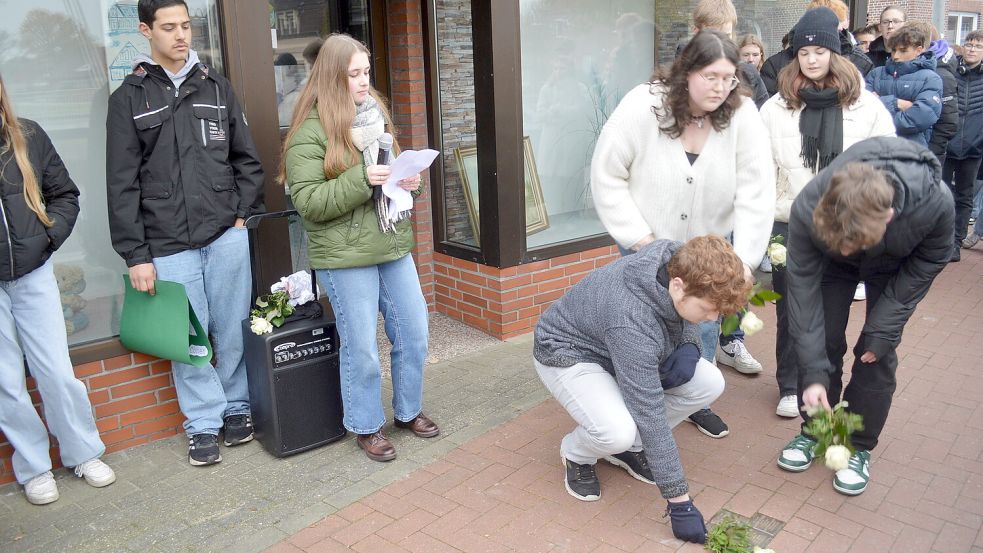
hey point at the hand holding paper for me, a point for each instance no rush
(408, 164)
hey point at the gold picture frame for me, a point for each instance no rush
(467, 165)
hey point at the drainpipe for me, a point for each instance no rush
(939, 18)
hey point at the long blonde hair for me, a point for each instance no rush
(12, 138)
(327, 91)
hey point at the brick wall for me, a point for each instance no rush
(134, 401)
(920, 10)
(409, 107)
(507, 302)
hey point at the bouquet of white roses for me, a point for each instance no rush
(832, 430)
(271, 310)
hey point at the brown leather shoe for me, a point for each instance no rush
(377, 446)
(421, 426)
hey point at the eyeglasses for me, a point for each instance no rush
(892, 22)
(972, 47)
(713, 80)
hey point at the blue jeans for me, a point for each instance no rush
(32, 325)
(357, 296)
(217, 279)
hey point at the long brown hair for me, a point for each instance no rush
(704, 49)
(842, 75)
(327, 91)
(12, 137)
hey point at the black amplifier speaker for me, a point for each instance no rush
(294, 385)
(293, 373)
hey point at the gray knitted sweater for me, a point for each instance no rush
(622, 318)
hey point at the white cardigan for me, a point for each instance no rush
(865, 118)
(643, 183)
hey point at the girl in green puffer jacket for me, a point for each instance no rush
(362, 255)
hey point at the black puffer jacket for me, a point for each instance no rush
(948, 122)
(774, 64)
(25, 243)
(968, 140)
(915, 248)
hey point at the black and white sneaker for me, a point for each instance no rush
(238, 429)
(581, 481)
(203, 450)
(635, 462)
(709, 423)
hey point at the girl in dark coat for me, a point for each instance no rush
(38, 207)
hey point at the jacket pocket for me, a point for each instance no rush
(155, 190)
(224, 196)
(150, 119)
(212, 121)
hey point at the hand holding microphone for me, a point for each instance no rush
(379, 173)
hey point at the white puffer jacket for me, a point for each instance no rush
(864, 119)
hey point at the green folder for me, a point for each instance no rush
(163, 325)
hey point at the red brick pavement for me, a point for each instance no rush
(503, 491)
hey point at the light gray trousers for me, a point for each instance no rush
(604, 426)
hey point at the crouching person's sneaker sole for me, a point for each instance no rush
(581, 480)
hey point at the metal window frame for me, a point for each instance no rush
(498, 120)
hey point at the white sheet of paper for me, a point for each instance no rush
(407, 164)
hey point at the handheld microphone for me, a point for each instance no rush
(385, 145)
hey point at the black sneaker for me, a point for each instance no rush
(203, 450)
(238, 429)
(582, 481)
(709, 423)
(635, 462)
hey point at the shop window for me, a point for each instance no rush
(60, 59)
(578, 59)
(959, 25)
(455, 82)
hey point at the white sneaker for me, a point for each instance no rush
(41, 489)
(788, 406)
(737, 356)
(96, 473)
(861, 293)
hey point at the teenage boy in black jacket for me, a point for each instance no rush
(879, 214)
(182, 176)
(962, 160)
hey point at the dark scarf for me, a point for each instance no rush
(821, 126)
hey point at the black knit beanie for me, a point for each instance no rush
(818, 27)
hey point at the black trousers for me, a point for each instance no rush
(960, 175)
(788, 361)
(872, 385)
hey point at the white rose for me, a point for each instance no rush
(260, 326)
(750, 323)
(837, 457)
(777, 253)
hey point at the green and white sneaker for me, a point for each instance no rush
(853, 480)
(797, 455)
